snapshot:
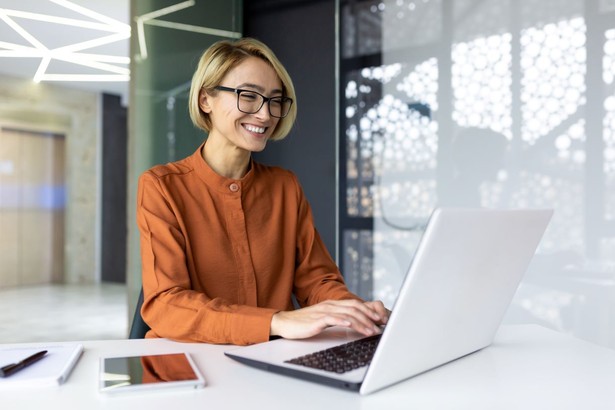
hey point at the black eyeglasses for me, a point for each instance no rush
(250, 102)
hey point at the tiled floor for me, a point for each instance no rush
(63, 313)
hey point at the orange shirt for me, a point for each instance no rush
(221, 256)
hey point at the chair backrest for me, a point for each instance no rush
(139, 328)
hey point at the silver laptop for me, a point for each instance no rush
(460, 283)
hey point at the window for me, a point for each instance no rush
(482, 103)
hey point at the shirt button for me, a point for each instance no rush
(233, 187)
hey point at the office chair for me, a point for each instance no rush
(139, 328)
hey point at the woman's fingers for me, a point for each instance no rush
(362, 317)
(382, 312)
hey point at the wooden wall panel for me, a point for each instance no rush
(32, 202)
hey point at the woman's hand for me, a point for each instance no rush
(363, 317)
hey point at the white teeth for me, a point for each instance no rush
(252, 128)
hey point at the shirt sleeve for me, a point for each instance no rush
(317, 277)
(171, 308)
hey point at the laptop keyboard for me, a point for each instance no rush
(343, 358)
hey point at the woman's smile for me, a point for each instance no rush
(254, 128)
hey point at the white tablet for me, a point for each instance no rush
(138, 373)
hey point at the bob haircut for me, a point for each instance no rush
(218, 60)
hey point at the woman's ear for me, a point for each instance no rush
(204, 102)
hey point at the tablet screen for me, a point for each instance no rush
(152, 371)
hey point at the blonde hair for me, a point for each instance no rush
(218, 60)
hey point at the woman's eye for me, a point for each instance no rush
(249, 96)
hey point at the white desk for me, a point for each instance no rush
(527, 367)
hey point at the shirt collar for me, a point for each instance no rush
(218, 182)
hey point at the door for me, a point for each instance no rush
(32, 205)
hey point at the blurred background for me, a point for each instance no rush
(403, 106)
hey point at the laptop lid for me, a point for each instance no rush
(461, 281)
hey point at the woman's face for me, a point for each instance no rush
(232, 127)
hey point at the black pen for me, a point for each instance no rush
(10, 369)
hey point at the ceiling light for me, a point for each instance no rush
(84, 77)
(106, 31)
(112, 67)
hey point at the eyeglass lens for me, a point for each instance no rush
(251, 102)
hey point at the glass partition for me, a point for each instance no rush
(168, 38)
(499, 104)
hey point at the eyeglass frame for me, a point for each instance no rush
(267, 100)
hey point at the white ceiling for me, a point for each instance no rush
(37, 35)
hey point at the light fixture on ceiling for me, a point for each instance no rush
(112, 68)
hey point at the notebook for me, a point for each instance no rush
(458, 287)
(52, 370)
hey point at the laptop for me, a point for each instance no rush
(458, 287)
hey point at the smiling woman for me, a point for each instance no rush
(227, 242)
(260, 124)
(259, 61)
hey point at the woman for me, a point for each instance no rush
(225, 241)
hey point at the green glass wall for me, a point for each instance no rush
(168, 37)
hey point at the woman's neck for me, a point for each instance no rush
(229, 162)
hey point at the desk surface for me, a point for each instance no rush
(527, 367)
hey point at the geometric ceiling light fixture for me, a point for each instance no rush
(151, 18)
(101, 29)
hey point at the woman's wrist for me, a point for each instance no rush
(274, 326)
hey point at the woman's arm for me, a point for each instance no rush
(320, 289)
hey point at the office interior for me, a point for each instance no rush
(403, 106)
